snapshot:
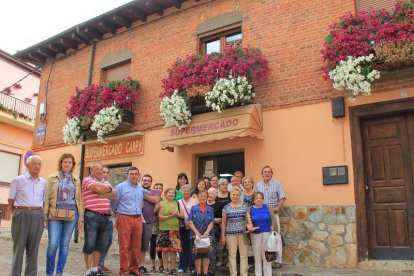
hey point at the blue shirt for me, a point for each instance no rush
(130, 199)
(66, 192)
(261, 218)
(201, 220)
(236, 219)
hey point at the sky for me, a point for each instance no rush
(24, 23)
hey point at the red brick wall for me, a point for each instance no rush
(290, 33)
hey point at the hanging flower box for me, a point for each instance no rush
(128, 118)
(198, 84)
(100, 110)
(361, 45)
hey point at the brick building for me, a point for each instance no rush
(19, 84)
(323, 225)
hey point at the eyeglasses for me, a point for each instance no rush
(146, 180)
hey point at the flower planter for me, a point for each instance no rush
(202, 108)
(199, 109)
(397, 73)
(128, 118)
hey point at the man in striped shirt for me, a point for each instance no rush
(97, 194)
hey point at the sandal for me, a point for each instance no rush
(161, 269)
(174, 272)
(166, 271)
(153, 269)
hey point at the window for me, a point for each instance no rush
(376, 4)
(216, 43)
(117, 72)
(10, 167)
(118, 173)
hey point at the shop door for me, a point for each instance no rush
(389, 162)
(223, 165)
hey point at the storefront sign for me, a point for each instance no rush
(115, 149)
(234, 122)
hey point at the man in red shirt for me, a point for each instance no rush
(97, 194)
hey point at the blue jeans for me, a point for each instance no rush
(98, 232)
(186, 256)
(59, 233)
(103, 254)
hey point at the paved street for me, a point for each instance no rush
(75, 264)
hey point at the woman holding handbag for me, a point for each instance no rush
(62, 212)
(260, 222)
(201, 220)
(185, 204)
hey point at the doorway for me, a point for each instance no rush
(383, 149)
(223, 165)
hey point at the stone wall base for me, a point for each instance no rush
(323, 235)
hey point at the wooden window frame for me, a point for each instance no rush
(103, 75)
(220, 34)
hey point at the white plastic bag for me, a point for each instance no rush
(274, 242)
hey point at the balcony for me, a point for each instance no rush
(16, 112)
(17, 108)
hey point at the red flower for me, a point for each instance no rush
(357, 34)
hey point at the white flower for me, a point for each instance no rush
(351, 74)
(229, 91)
(71, 131)
(107, 120)
(175, 111)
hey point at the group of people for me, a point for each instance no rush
(166, 223)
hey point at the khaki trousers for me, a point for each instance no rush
(240, 241)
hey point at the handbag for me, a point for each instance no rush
(61, 214)
(202, 245)
(270, 256)
(181, 223)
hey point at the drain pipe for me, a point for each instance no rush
(90, 72)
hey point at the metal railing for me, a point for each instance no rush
(22, 108)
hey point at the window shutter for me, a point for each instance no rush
(376, 4)
(118, 72)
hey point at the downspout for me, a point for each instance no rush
(90, 72)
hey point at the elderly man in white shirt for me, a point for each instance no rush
(25, 204)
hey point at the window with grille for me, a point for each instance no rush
(117, 72)
(215, 43)
(374, 4)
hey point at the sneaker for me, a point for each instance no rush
(180, 270)
(143, 270)
(193, 272)
(102, 268)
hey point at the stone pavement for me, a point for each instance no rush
(75, 264)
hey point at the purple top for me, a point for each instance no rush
(27, 192)
(148, 209)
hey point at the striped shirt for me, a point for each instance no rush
(272, 191)
(92, 200)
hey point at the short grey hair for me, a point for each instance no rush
(95, 164)
(34, 157)
(185, 186)
(223, 180)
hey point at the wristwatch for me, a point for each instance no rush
(109, 190)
